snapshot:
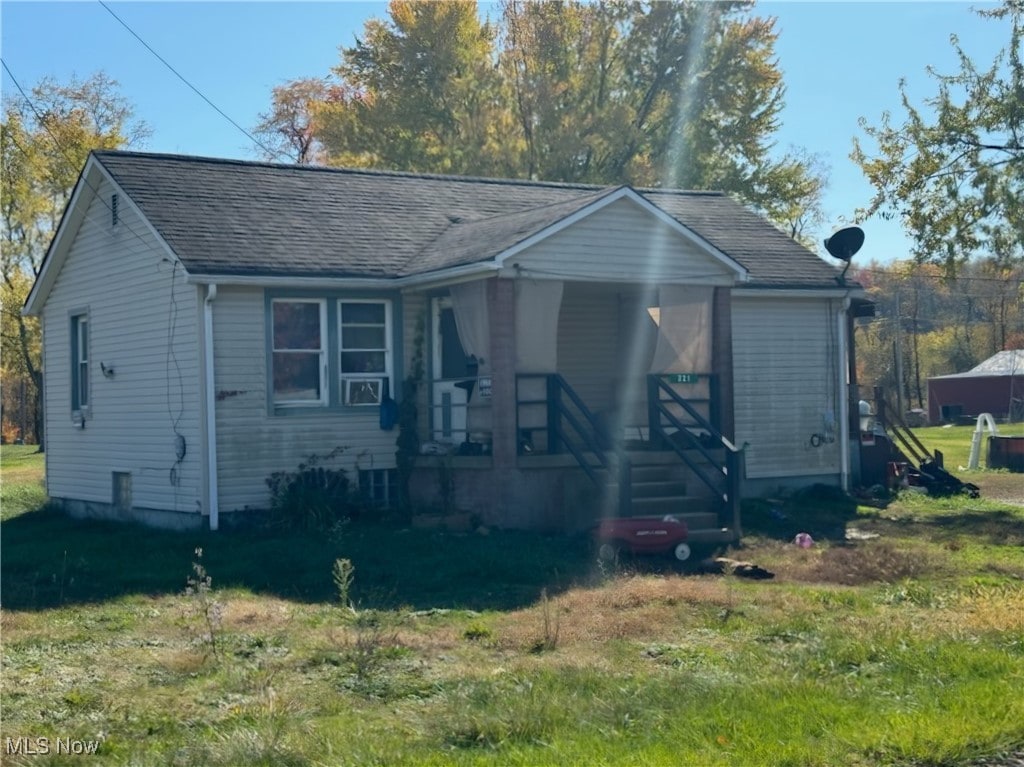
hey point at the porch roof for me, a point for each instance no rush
(234, 218)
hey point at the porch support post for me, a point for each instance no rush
(502, 299)
(721, 359)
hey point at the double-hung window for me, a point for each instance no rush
(79, 363)
(331, 352)
(299, 351)
(364, 333)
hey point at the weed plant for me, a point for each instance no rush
(204, 612)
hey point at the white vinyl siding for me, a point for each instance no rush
(623, 243)
(253, 441)
(142, 326)
(785, 357)
(588, 343)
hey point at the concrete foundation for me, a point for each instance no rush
(158, 518)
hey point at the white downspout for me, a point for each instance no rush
(844, 397)
(211, 408)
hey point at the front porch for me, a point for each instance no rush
(596, 434)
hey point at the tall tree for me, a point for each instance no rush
(45, 138)
(647, 93)
(658, 94)
(952, 171)
(421, 93)
(289, 128)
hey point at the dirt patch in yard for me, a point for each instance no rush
(1001, 486)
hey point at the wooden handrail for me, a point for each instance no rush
(725, 482)
(559, 414)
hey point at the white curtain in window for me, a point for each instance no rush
(537, 306)
(684, 329)
(469, 304)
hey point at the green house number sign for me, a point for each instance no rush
(682, 377)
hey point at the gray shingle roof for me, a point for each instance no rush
(229, 217)
(466, 242)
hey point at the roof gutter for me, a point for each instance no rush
(808, 292)
(441, 276)
(211, 408)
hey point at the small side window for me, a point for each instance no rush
(79, 363)
(379, 487)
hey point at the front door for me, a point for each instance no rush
(452, 377)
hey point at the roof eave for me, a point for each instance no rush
(86, 190)
(56, 253)
(437, 276)
(791, 291)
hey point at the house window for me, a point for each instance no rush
(365, 362)
(379, 487)
(299, 352)
(79, 363)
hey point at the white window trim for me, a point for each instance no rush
(80, 354)
(324, 387)
(388, 374)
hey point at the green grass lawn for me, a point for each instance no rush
(514, 649)
(955, 441)
(21, 480)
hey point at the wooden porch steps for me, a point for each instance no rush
(658, 489)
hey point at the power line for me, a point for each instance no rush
(939, 278)
(171, 356)
(198, 92)
(70, 160)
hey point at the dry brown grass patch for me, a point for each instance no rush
(245, 614)
(992, 609)
(854, 565)
(637, 607)
(182, 661)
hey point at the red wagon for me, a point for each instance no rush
(642, 535)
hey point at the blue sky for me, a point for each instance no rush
(842, 61)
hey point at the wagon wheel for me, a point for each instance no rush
(681, 552)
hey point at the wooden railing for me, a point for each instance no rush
(572, 428)
(723, 476)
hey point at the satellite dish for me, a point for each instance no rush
(843, 245)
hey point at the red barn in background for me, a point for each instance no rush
(995, 386)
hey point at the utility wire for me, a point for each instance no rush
(171, 356)
(70, 160)
(198, 92)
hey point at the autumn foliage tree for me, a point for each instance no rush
(45, 138)
(929, 323)
(952, 169)
(683, 94)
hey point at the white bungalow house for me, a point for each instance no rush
(209, 322)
